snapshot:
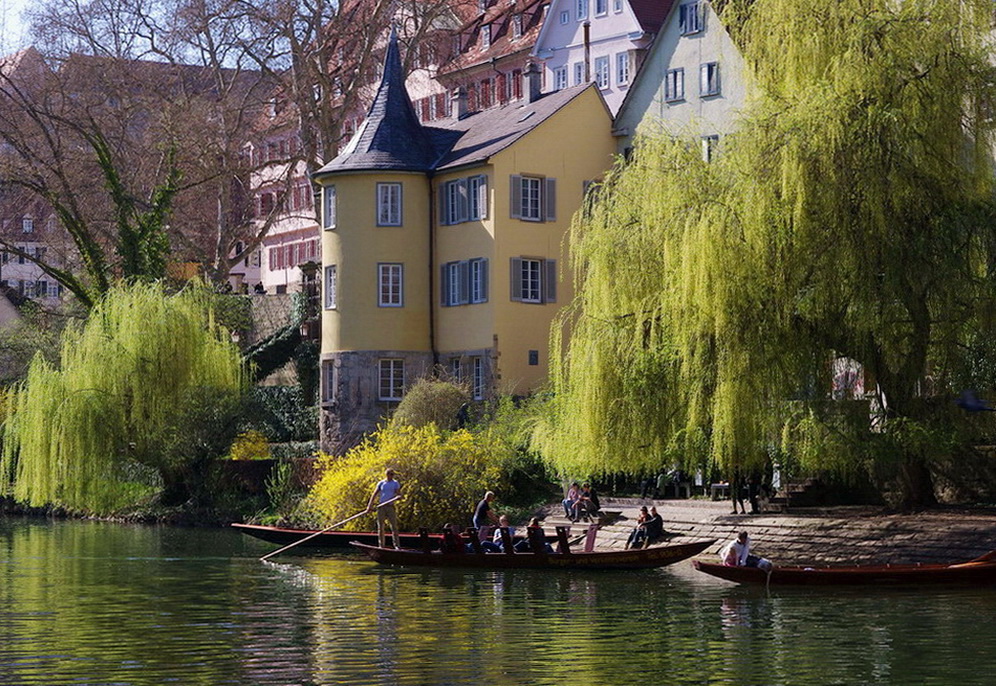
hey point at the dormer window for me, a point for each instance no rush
(690, 18)
(486, 37)
(27, 225)
(482, 5)
(516, 26)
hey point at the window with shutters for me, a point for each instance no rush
(464, 282)
(390, 287)
(477, 197)
(533, 280)
(533, 198)
(464, 200)
(388, 204)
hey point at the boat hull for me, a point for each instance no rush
(979, 571)
(645, 558)
(332, 540)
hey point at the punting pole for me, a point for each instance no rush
(328, 528)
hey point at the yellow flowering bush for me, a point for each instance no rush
(250, 445)
(443, 474)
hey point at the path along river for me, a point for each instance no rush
(97, 603)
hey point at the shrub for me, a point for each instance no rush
(250, 445)
(432, 401)
(443, 475)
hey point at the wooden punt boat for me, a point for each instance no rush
(643, 558)
(981, 570)
(334, 540)
(325, 540)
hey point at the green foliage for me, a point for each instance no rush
(443, 475)
(250, 445)
(432, 401)
(148, 379)
(851, 214)
(281, 414)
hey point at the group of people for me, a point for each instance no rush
(649, 528)
(746, 488)
(581, 503)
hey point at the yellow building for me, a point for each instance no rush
(443, 246)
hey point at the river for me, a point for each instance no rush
(99, 603)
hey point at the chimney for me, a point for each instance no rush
(458, 102)
(534, 81)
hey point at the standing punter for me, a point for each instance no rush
(386, 489)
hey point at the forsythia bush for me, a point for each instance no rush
(443, 474)
(250, 445)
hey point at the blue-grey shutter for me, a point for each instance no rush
(515, 193)
(550, 200)
(463, 211)
(443, 214)
(550, 281)
(484, 197)
(515, 278)
(483, 286)
(464, 287)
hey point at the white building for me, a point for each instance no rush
(604, 41)
(692, 82)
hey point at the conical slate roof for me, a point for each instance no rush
(391, 137)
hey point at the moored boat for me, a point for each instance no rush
(980, 570)
(643, 558)
(326, 539)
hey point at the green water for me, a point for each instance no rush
(93, 603)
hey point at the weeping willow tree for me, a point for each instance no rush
(851, 215)
(147, 382)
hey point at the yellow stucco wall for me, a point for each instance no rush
(573, 146)
(358, 323)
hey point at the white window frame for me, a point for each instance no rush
(581, 9)
(330, 285)
(709, 79)
(390, 284)
(617, 5)
(455, 201)
(674, 85)
(533, 280)
(389, 199)
(516, 26)
(485, 36)
(602, 71)
(390, 379)
(477, 388)
(27, 225)
(565, 17)
(477, 197)
(453, 282)
(560, 78)
(622, 69)
(533, 198)
(328, 207)
(601, 8)
(709, 145)
(330, 377)
(478, 280)
(531, 205)
(578, 73)
(690, 20)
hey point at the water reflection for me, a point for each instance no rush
(98, 604)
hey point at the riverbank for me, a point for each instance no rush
(831, 535)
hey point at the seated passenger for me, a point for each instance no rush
(587, 503)
(639, 533)
(654, 526)
(451, 542)
(502, 523)
(534, 529)
(736, 553)
(570, 499)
